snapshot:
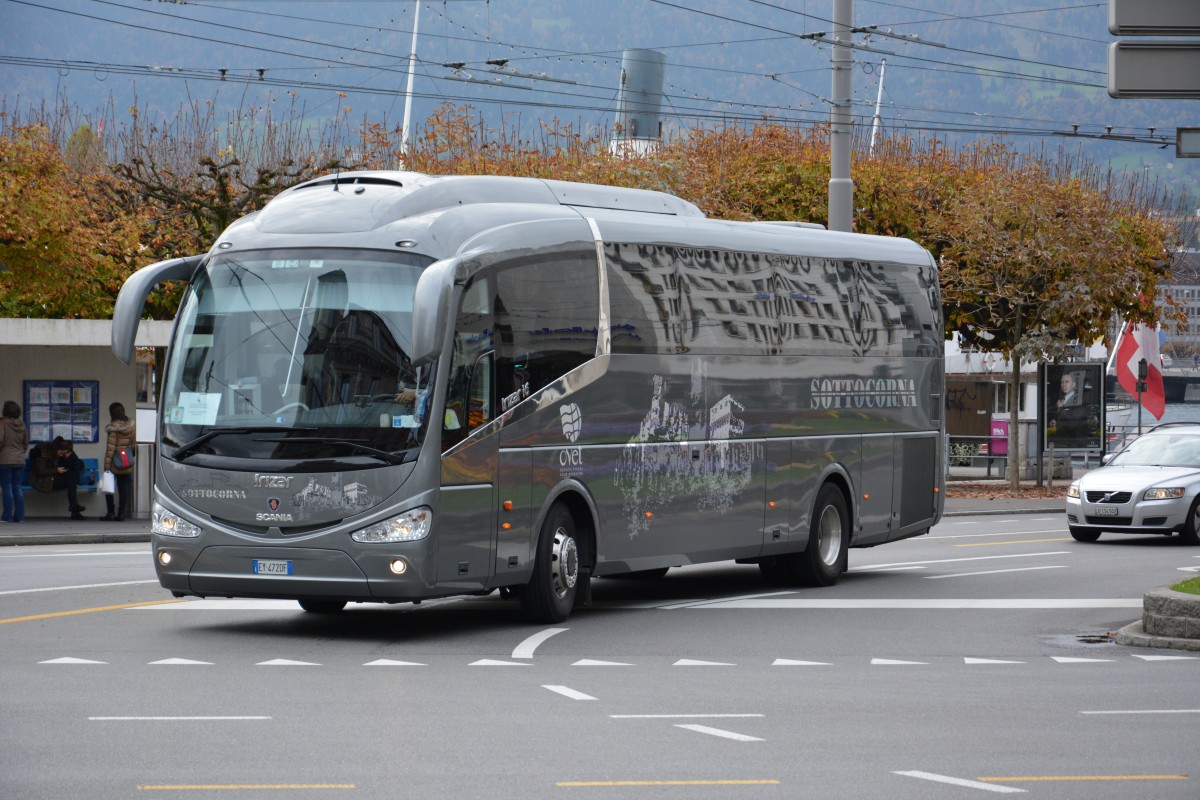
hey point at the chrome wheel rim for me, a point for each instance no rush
(564, 562)
(829, 536)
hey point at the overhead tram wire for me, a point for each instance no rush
(931, 126)
(342, 64)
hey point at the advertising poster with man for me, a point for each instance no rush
(1074, 411)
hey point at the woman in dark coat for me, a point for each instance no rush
(121, 433)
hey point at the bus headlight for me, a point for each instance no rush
(165, 523)
(407, 527)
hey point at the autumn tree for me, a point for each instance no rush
(63, 244)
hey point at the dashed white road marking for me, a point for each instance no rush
(180, 662)
(1146, 711)
(69, 660)
(891, 662)
(737, 737)
(957, 560)
(489, 662)
(691, 662)
(286, 662)
(682, 716)
(987, 787)
(177, 719)
(591, 662)
(387, 662)
(991, 572)
(77, 586)
(79, 554)
(929, 604)
(1167, 658)
(1071, 660)
(566, 691)
(989, 661)
(787, 662)
(526, 648)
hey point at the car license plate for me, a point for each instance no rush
(270, 567)
(1107, 511)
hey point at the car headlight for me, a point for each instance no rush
(407, 527)
(1163, 493)
(167, 523)
(1073, 490)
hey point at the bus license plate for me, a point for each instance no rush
(1107, 511)
(265, 567)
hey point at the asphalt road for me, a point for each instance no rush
(969, 662)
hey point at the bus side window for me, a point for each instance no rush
(470, 369)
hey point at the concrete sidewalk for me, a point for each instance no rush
(62, 530)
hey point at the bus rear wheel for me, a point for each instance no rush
(550, 594)
(825, 557)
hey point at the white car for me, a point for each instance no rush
(1151, 486)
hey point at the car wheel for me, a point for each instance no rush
(1083, 534)
(1191, 531)
(315, 606)
(550, 593)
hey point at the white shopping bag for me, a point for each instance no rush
(108, 482)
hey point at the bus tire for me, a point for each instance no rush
(825, 557)
(320, 606)
(550, 594)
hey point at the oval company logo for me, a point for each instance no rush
(572, 420)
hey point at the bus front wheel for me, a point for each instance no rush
(550, 594)
(317, 606)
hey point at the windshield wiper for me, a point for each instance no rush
(187, 447)
(382, 455)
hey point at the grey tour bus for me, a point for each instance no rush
(387, 387)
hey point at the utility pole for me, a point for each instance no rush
(412, 65)
(878, 102)
(841, 188)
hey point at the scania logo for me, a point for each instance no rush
(273, 503)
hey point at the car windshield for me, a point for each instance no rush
(1161, 450)
(297, 355)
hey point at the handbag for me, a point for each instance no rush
(123, 459)
(108, 483)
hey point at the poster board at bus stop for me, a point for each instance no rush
(1073, 406)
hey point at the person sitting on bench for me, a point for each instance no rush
(56, 467)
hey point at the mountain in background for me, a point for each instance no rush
(1026, 71)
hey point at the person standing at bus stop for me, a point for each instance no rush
(14, 441)
(121, 433)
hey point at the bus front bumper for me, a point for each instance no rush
(292, 572)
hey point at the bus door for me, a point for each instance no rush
(466, 518)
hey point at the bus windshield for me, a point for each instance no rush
(299, 356)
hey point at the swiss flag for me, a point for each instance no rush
(1138, 342)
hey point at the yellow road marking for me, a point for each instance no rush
(670, 783)
(87, 611)
(1022, 541)
(184, 787)
(1039, 778)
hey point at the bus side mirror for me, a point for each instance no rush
(127, 311)
(431, 310)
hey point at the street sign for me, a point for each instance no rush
(1154, 17)
(1187, 142)
(1154, 69)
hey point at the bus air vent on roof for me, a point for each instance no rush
(349, 181)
